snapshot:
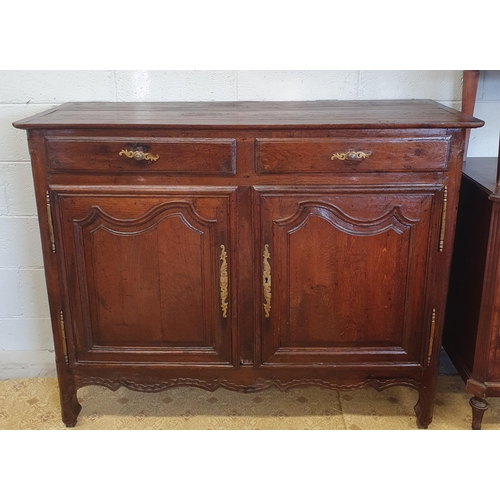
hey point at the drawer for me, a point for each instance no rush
(352, 155)
(190, 156)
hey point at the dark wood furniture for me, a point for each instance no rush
(472, 327)
(246, 245)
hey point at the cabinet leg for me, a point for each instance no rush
(424, 408)
(70, 407)
(479, 406)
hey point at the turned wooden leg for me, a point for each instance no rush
(479, 406)
(424, 408)
(70, 407)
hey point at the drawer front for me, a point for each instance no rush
(141, 155)
(352, 155)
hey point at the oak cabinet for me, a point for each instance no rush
(247, 245)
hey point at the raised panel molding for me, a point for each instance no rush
(394, 219)
(184, 210)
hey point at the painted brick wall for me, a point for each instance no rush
(24, 319)
(484, 141)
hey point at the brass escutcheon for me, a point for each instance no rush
(138, 155)
(351, 155)
(266, 280)
(224, 281)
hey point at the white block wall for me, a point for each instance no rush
(484, 141)
(24, 317)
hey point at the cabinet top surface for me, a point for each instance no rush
(254, 114)
(483, 172)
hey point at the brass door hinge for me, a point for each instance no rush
(443, 219)
(51, 225)
(431, 337)
(63, 336)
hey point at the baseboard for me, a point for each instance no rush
(26, 364)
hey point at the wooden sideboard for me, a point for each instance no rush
(247, 244)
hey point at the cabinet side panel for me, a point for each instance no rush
(467, 274)
(488, 339)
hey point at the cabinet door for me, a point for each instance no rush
(344, 275)
(146, 273)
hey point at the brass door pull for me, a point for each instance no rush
(351, 155)
(266, 280)
(224, 281)
(138, 155)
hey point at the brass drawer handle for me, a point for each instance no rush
(138, 155)
(351, 155)
(224, 281)
(266, 280)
